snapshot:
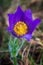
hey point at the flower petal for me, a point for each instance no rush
(34, 24)
(28, 22)
(28, 13)
(13, 18)
(8, 29)
(27, 36)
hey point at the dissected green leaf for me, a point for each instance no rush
(15, 45)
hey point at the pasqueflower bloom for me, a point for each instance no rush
(21, 23)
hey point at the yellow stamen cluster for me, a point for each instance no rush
(20, 28)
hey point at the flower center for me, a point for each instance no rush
(20, 28)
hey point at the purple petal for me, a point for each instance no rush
(8, 29)
(34, 24)
(11, 19)
(28, 13)
(14, 18)
(27, 36)
(28, 22)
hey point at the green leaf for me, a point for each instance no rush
(15, 45)
(31, 60)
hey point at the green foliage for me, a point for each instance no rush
(22, 2)
(19, 57)
(41, 26)
(15, 61)
(5, 4)
(41, 60)
(15, 45)
(31, 60)
(4, 38)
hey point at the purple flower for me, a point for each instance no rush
(21, 24)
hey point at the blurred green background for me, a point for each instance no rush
(9, 6)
